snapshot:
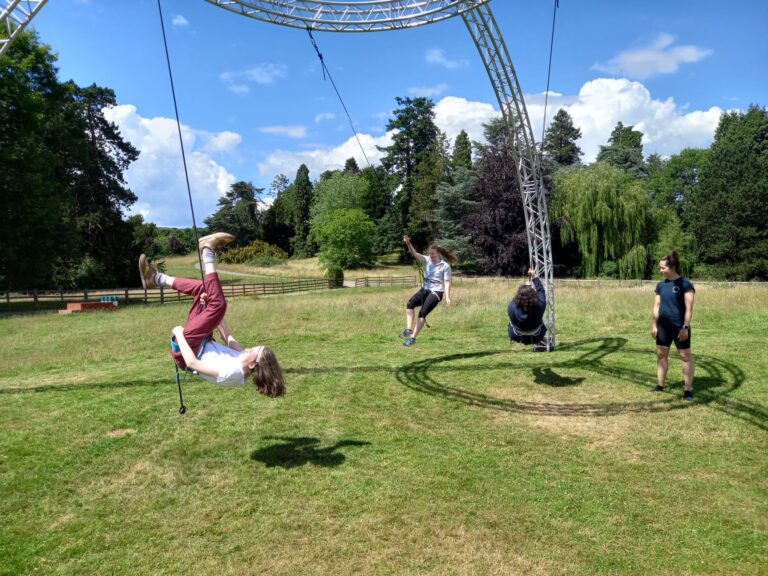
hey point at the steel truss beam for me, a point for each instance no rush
(376, 16)
(15, 16)
(493, 51)
(334, 16)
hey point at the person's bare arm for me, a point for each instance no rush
(655, 318)
(226, 336)
(685, 331)
(192, 362)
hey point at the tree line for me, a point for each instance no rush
(63, 195)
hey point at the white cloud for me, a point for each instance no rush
(290, 131)
(452, 115)
(667, 127)
(659, 57)
(157, 177)
(437, 56)
(321, 159)
(324, 116)
(225, 141)
(239, 82)
(180, 21)
(428, 91)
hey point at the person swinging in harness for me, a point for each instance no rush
(193, 347)
(437, 284)
(526, 313)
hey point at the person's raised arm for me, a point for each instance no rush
(536, 281)
(192, 362)
(226, 336)
(411, 249)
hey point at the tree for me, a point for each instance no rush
(277, 223)
(238, 213)
(673, 182)
(431, 170)
(497, 225)
(607, 213)
(560, 139)
(351, 167)
(625, 151)
(302, 202)
(462, 152)
(414, 132)
(454, 203)
(727, 212)
(345, 237)
(61, 176)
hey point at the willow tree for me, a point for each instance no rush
(606, 212)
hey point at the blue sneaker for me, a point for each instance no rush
(405, 333)
(410, 341)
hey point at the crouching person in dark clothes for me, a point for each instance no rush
(526, 313)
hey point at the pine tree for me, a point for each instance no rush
(302, 203)
(462, 152)
(414, 134)
(560, 140)
(625, 151)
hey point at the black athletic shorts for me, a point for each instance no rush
(666, 334)
(426, 299)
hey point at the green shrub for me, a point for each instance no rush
(256, 252)
(335, 274)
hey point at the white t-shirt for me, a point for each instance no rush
(227, 361)
(436, 275)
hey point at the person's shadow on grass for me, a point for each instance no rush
(551, 378)
(292, 452)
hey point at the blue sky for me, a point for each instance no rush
(254, 104)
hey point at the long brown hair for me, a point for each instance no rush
(268, 376)
(526, 297)
(447, 255)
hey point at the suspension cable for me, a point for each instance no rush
(328, 72)
(549, 71)
(181, 142)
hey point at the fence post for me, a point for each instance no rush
(162, 295)
(85, 295)
(34, 296)
(61, 295)
(126, 295)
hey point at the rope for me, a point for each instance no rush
(328, 72)
(549, 70)
(181, 141)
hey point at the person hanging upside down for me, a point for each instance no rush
(437, 282)
(193, 346)
(526, 313)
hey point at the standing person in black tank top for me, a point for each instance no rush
(672, 313)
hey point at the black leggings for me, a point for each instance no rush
(426, 299)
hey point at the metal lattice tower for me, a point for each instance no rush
(15, 16)
(384, 15)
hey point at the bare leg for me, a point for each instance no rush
(409, 318)
(662, 364)
(689, 367)
(419, 325)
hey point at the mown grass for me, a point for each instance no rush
(460, 455)
(290, 269)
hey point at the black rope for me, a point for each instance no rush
(328, 72)
(549, 70)
(181, 142)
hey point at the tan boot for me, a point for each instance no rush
(147, 273)
(215, 241)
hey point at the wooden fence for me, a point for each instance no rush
(386, 281)
(41, 299)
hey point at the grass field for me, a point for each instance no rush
(292, 268)
(460, 455)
